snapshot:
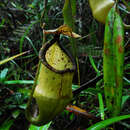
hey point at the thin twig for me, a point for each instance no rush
(85, 85)
(44, 11)
(87, 35)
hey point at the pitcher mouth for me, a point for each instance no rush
(42, 56)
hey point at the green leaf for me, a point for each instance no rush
(13, 57)
(31, 43)
(3, 74)
(93, 65)
(124, 99)
(13, 4)
(74, 87)
(25, 91)
(71, 116)
(25, 34)
(101, 106)
(19, 82)
(23, 106)
(15, 113)
(2, 23)
(102, 124)
(6, 125)
(45, 127)
(68, 13)
(126, 80)
(18, 98)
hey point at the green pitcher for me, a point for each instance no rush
(100, 9)
(53, 89)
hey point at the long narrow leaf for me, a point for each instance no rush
(13, 57)
(102, 124)
(25, 34)
(3, 74)
(101, 106)
(108, 62)
(69, 11)
(19, 82)
(93, 65)
(31, 43)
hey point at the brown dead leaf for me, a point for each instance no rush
(64, 29)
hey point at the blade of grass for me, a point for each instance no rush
(25, 34)
(3, 74)
(13, 57)
(101, 106)
(93, 65)
(31, 43)
(100, 98)
(102, 124)
(127, 80)
(19, 82)
(124, 99)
